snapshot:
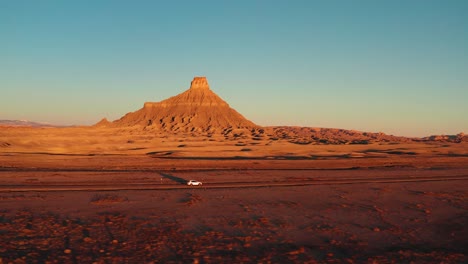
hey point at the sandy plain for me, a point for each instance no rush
(118, 195)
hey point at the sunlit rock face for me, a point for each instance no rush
(198, 109)
(199, 83)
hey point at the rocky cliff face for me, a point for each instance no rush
(199, 83)
(198, 109)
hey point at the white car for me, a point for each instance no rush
(194, 182)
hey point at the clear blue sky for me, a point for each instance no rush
(400, 67)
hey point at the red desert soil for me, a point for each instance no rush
(84, 195)
(116, 192)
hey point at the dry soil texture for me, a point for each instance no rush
(118, 195)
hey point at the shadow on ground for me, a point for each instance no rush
(174, 178)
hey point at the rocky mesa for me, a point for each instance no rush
(198, 110)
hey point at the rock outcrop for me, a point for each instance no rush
(103, 123)
(460, 137)
(198, 109)
(199, 83)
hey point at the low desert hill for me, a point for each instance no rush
(23, 123)
(458, 138)
(308, 135)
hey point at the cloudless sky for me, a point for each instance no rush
(399, 67)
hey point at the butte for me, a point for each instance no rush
(197, 110)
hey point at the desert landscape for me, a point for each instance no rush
(116, 192)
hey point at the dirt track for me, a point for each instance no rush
(421, 222)
(135, 185)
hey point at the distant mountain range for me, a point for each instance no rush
(24, 123)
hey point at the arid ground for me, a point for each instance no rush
(116, 195)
